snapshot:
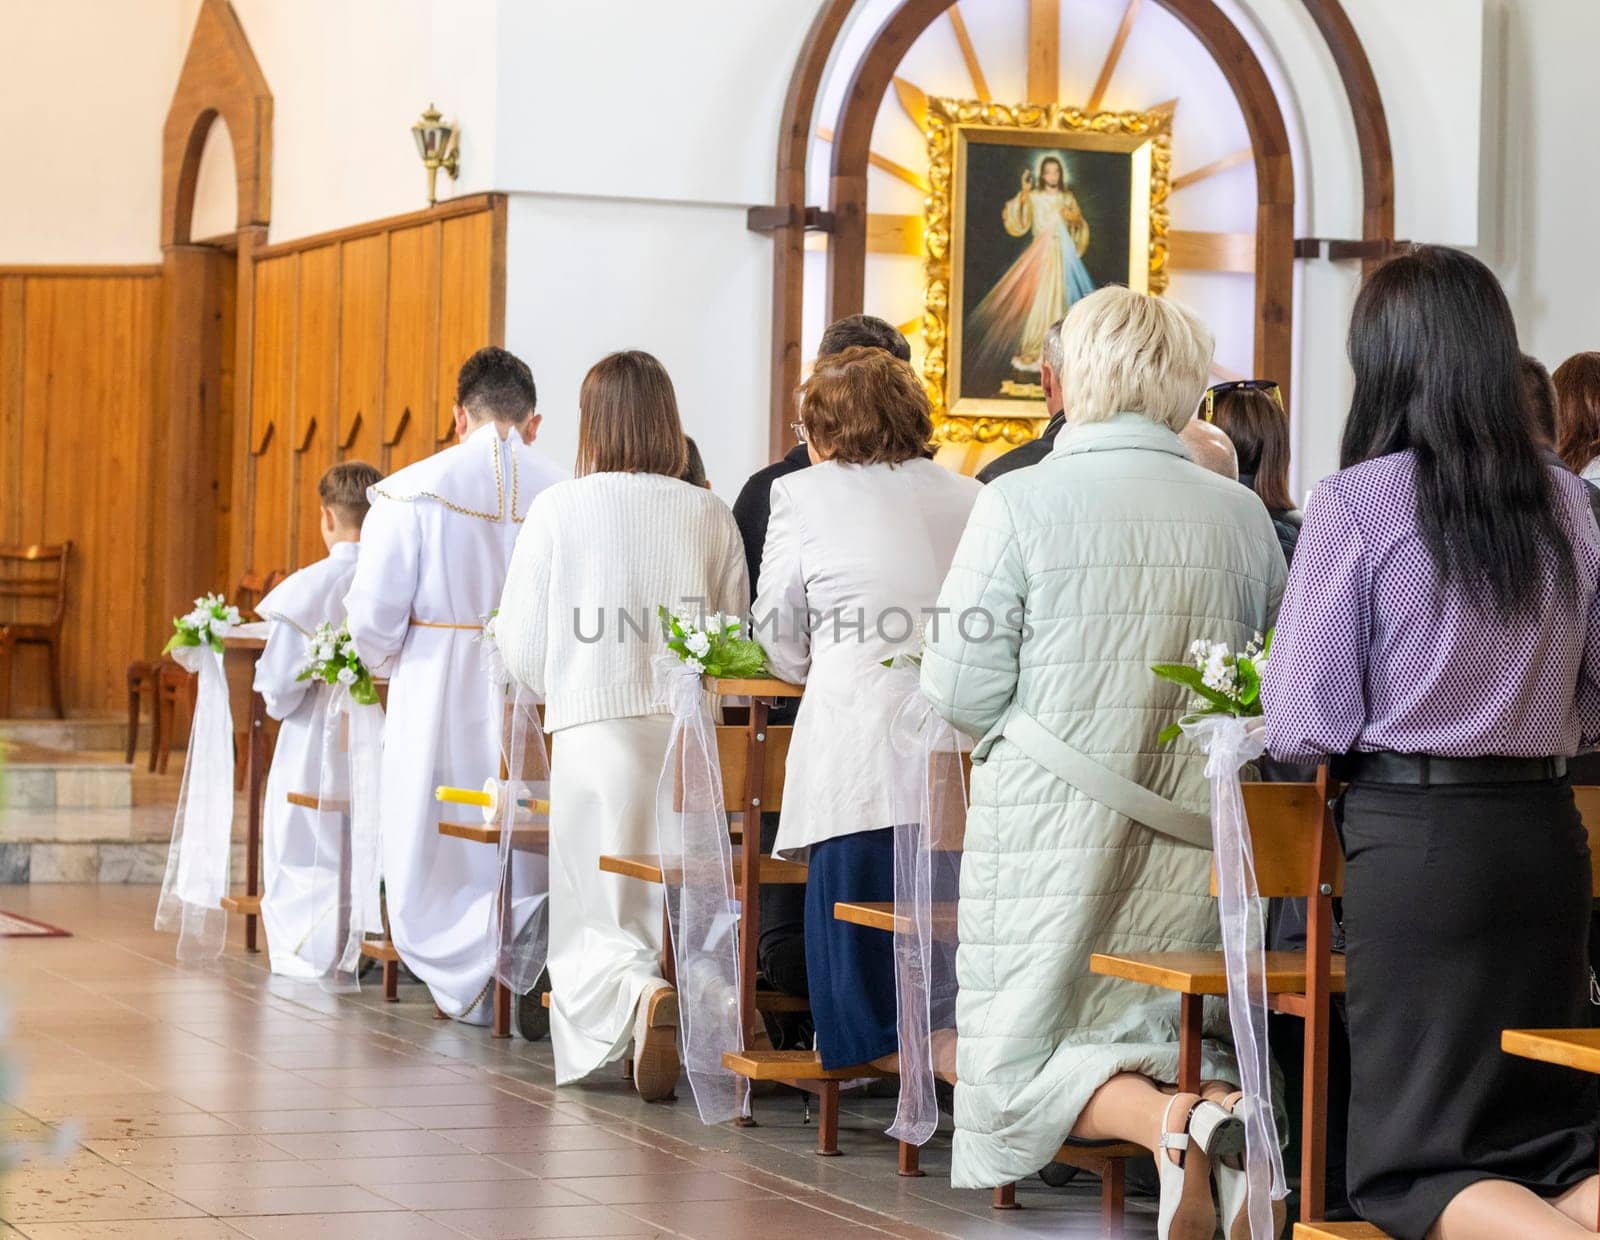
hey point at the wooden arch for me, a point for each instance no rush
(220, 77)
(1275, 244)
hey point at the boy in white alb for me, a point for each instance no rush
(299, 846)
(433, 562)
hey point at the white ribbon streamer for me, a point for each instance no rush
(929, 803)
(202, 830)
(697, 870)
(348, 874)
(1230, 742)
(519, 958)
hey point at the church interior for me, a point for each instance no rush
(535, 537)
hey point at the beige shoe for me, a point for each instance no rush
(655, 1044)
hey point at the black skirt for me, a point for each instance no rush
(1466, 912)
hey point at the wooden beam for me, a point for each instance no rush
(1211, 251)
(894, 234)
(1103, 82)
(1242, 156)
(980, 85)
(1044, 50)
(913, 99)
(885, 164)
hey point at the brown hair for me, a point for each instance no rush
(1542, 400)
(343, 488)
(865, 407)
(1260, 433)
(1578, 389)
(628, 418)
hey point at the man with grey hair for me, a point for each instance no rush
(1035, 450)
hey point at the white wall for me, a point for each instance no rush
(632, 140)
(687, 283)
(92, 81)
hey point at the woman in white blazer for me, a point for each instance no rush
(857, 548)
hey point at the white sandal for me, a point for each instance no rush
(1233, 1185)
(1208, 1128)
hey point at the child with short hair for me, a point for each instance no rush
(298, 901)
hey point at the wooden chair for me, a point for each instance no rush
(1296, 853)
(34, 579)
(144, 682)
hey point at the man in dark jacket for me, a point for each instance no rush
(781, 951)
(753, 508)
(1035, 450)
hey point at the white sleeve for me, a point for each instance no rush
(522, 627)
(378, 607)
(779, 614)
(277, 668)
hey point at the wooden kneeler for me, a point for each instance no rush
(1296, 854)
(1105, 1159)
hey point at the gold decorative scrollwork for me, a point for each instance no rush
(947, 122)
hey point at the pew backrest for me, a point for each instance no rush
(33, 584)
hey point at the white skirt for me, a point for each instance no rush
(605, 930)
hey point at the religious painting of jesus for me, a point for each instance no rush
(1032, 209)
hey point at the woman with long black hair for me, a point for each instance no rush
(1440, 640)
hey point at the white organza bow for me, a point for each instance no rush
(1228, 743)
(349, 847)
(521, 811)
(929, 802)
(202, 830)
(697, 869)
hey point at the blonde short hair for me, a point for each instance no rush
(1128, 352)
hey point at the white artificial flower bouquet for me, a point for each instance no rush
(211, 620)
(716, 646)
(1223, 683)
(331, 658)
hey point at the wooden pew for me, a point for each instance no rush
(239, 658)
(1296, 853)
(752, 757)
(1105, 1159)
(523, 839)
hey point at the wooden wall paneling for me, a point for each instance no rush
(12, 407)
(316, 399)
(466, 247)
(225, 297)
(241, 532)
(272, 420)
(364, 288)
(80, 358)
(411, 351)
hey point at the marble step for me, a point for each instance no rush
(73, 735)
(36, 777)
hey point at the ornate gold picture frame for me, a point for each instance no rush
(1029, 208)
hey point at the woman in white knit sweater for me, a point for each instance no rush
(596, 557)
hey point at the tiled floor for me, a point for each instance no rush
(150, 1102)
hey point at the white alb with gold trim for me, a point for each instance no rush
(434, 553)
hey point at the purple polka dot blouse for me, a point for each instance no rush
(1372, 654)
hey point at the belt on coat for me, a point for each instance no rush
(1101, 784)
(439, 624)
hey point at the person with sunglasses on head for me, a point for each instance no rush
(1251, 413)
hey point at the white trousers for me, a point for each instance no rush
(605, 930)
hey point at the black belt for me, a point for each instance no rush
(1426, 769)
